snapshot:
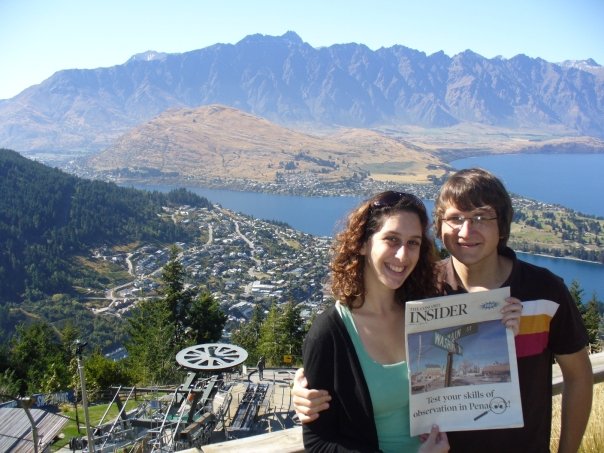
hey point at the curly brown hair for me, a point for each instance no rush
(348, 264)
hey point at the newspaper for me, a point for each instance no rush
(462, 364)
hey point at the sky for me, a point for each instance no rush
(41, 37)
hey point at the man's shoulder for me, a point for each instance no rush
(533, 272)
(447, 278)
(525, 271)
(531, 282)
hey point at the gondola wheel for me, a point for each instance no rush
(211, 356)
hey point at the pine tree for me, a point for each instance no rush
(592, 319)
(150, 354)
(292, 330)
(178, 299)
(39, 358)
(248, 334)
(281, 334)
(205, 319)
(577, 294)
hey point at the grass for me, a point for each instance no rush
(114, 272)
(95, 412)
(593, 440)
(585, 231)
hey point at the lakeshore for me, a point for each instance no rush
(321, 216)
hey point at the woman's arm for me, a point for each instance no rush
(330, 363)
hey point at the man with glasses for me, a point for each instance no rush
(473, 216)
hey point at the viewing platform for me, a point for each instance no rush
(262, 419)
(290, 440)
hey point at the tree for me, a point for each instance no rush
(281, 333)
(9, 384)
(577, 294)
(248, 334)
(159, 329)
(268, 341)
(292, 330)
(150, 353)
(205, 319)
(39, 358)
(178, 300)
(102, 373)
(592, 319)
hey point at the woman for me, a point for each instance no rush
(356, 349)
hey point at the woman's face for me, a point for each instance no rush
(392, 252)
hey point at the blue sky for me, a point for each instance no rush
(40, 37)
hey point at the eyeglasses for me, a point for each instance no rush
(391, 198)
(458, 221)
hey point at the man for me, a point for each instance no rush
(260, 365)
(473, 216)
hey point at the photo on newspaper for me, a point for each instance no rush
(462, 364)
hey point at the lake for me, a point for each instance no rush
(321, 216)
(572, 180)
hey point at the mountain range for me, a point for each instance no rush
(287, 81)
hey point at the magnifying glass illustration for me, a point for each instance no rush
(497, 405)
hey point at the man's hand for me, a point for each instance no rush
(308, 403)
(512, 311)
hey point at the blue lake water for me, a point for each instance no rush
(321, 216)
(572, 180)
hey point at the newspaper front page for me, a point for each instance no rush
(462, 364)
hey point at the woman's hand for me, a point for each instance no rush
(308, 403)
(512, 311)
(435, 442)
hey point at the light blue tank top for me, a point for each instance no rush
(389, 391)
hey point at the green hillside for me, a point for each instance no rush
(50, 222)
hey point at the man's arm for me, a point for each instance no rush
(576, 399)
(308, 403)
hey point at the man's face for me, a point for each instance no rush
(471, 237)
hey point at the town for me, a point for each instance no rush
(242, 261)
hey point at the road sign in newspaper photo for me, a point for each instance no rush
(472, 354)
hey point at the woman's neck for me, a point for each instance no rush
(380, 305)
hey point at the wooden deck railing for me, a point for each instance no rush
(290, 440)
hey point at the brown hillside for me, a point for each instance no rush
(219, 141)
